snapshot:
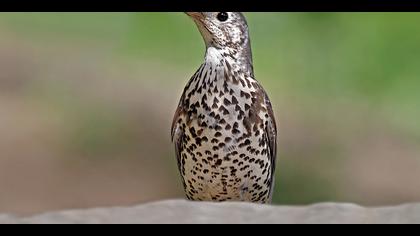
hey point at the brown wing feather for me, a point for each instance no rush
(177, 133)
(176, 130)
(271, 131)
(178, 112)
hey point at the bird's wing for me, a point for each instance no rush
(271, 134)
(177, 133)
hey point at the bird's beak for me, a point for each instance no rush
(200, 20)
(196, 15)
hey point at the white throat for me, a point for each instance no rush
(213, 56)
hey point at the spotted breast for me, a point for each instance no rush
(224, 128)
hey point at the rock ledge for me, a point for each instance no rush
(181, 211)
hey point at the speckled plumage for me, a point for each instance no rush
(224, 129)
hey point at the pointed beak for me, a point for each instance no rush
(195, 15)
(200, 20)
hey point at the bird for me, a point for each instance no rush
(224, 130)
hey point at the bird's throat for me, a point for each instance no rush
(237, 62)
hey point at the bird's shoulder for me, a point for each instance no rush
(270, 130)
(183, 105)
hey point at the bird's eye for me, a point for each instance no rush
(222, 16)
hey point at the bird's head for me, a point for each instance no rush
(222, 30)
(228, 33)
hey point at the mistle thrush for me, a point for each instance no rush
(224, 129)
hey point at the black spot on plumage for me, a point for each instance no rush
(225, 87)
(236, 131)
(204, 99)
(206, 107)
(247, 107)
(215, 90)
(255, 85)
(224, 110)
(234, 100)
(246, 95)
(198, 141)
(201, 70)
(236, 125)
(192, 132)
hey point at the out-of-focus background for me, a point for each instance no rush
(87, 100)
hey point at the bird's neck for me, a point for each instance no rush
(240, 61)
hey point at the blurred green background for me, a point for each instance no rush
(87, 101)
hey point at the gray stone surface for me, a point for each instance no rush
(181, 211)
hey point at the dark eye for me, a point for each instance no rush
(222, 16)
